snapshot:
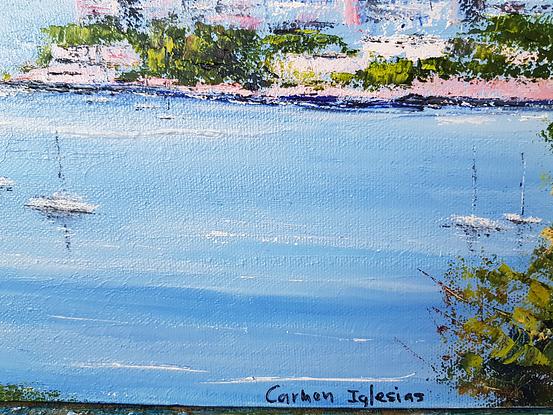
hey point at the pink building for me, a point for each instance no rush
(86, 8)
(351, 13)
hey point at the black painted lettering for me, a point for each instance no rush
(353, 398)
(419, 396)
(371, 390)
(284, 398)
(380, 397)
(267, 395)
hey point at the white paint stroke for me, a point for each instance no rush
(458, 120)
(116, 365)
(96, 320)
(541, 117)
(74, 131)
(342, 339)
(5, 182)
(270, 379)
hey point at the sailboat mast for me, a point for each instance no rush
(474, 195)
(60, 170)
(522, 185)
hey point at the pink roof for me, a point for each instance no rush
(96, 7)
(351, 13)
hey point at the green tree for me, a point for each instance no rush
(99, 33)
(547, 135)
(499, 328)
(19, 393)
(300, 41)
(210, 54)
(509, 45)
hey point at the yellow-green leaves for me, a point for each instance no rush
(504, 347)
(19, 393)
(539, 294)
(502, 329)
(525, 317)
(476, 327)
(532, 356)
(89, 34)
(471, 362)
(302, 41)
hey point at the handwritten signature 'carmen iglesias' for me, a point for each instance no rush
(276, 395)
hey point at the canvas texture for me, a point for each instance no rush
(283, 204)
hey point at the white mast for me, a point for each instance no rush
(522, 185)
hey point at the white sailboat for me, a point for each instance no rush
(6, 184)
(61, 202)
(471, 223)
(519, 218)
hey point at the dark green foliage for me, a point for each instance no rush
(518, 30)
(18, 393)
(547, 135)
(510, 45)
(379, 73)
(302, 41)
(130, 76)
(44, 56)
(443, 67)
(160, 48)
(215, 55)
(345, 79)
(210, 54)
(499, 329)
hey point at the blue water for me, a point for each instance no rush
(236, 241)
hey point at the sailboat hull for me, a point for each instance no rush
(61, 204)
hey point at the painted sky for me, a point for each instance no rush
(20, 23)
(21, 20)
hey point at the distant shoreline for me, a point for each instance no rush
(322, 99)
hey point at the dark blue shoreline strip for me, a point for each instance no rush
(319, 102)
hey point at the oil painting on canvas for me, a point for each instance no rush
(277, 203)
